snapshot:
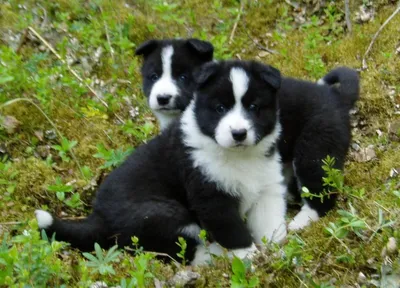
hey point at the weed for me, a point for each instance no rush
(61, 189)
(239, 277)
(113, 158)
(183, 245)
(65, 147)
(102, 263)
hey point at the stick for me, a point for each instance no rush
(11, 223)
(107, 36)
(364, 61)
(236, 22)
(347, 15)
(261, 47)
(71, 70)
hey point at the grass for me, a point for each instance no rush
(58, 164)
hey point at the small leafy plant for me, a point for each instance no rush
(61, 189)
(239, 277)
(113, 158)
(65, 148)
(102, 263)
(183, 245)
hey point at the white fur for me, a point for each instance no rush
(243, 172)
(303, 218)
(240, 83)
(235, 119)
(164, 86)
(203, 254)
(44, 219)
(166, 117)
(321, 82)
(191, 230)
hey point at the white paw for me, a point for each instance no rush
(279, 234)
(242, 253)
(44, 219)
(321, 82)
(203, 254)
(303, 218)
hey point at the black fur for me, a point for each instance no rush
(188, 54)
(157, 190)
(315, 123)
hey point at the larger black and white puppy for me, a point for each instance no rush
(217, 169)
(315, 123)
(167, 74)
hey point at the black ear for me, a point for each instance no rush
(204, 48)
(146, 47)
(269, 74)
(202, 74)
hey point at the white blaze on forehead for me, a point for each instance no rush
(166, 58)
(240, 83)
(235, 119)
(165, 85)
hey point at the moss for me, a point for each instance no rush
(64, 100)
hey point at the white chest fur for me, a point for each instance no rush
(241, 174)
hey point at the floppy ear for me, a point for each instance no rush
(146, 47)
(204, 48)
(269, 74)
(202, 74)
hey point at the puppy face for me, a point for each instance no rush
(167, 74)
(236, 103)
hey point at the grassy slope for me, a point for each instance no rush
(77, 30)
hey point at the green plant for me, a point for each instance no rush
(113, 158)
(140, 132)
(61, 189)
(141, 272)
(239, 277)
(65, 147)
(102, 263)
(26, 258)
(183, 245)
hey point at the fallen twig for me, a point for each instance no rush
(347, 15)
(107, 36)
(155, 253)
(364, 61)
(261, 47)
(73, 72)
(236, 21)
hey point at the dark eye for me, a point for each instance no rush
(253, 107)
(221, 109)
(154, 77)
(182, 78)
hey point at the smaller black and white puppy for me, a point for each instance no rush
(217, 169)
(167, 74)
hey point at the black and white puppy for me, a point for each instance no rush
(217, 169)
(167, 74)
(315, 123)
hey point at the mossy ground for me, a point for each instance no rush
(78, 29)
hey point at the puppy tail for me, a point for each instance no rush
(80, 234)
(348, 81)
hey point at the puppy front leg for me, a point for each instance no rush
(219, 214)
(267, 216)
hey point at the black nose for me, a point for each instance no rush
(239, 135)
(163, 99)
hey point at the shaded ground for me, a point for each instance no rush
(57, 150)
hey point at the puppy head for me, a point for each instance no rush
(167, 72)
(236, 102)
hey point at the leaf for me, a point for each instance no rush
(60, 196)
(238, 267)
(90, 257)
(99, 252)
